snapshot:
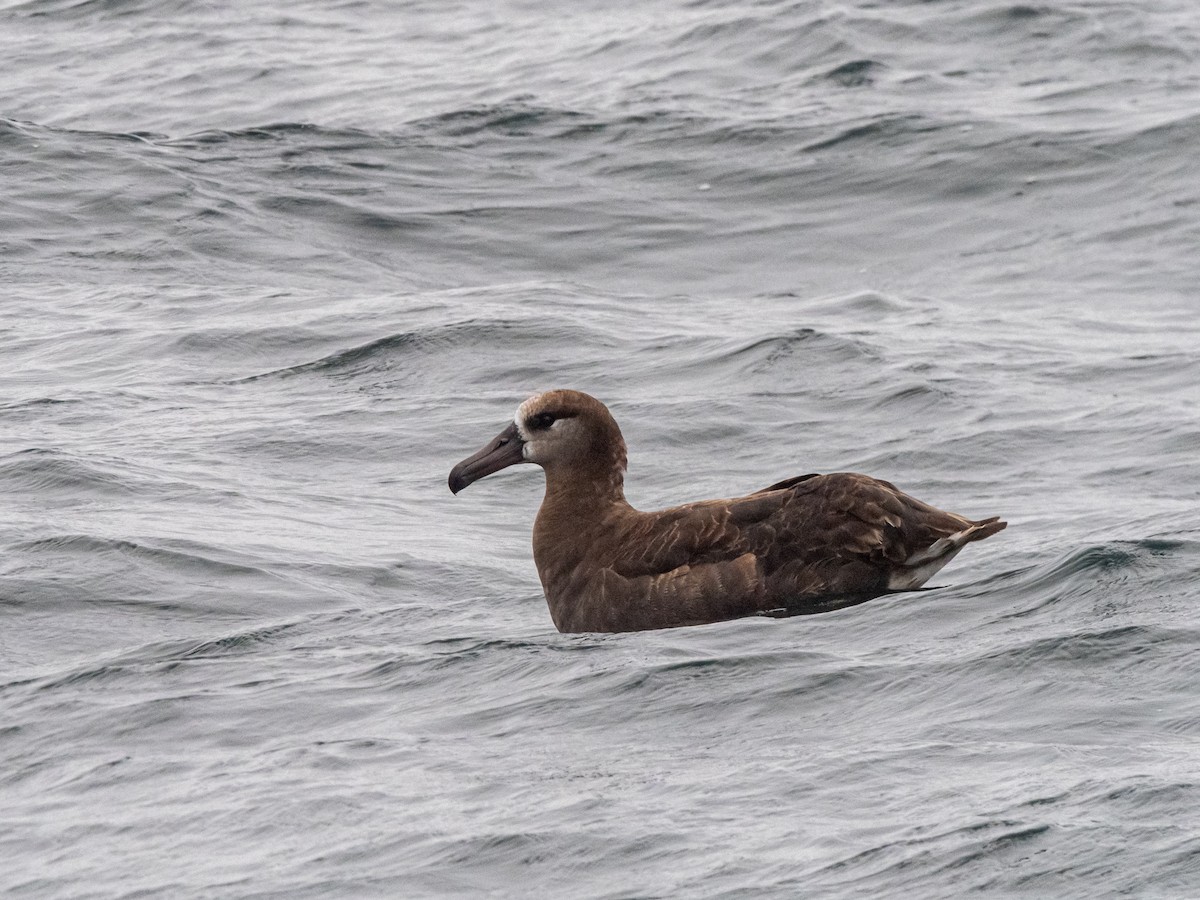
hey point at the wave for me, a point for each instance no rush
(199, 560)
(42, 471)
(468, 348)
(1100, 569)
(145, 661)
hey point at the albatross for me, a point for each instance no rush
(807, 544)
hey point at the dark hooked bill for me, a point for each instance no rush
(500, 452)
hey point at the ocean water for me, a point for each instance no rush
(269, 271)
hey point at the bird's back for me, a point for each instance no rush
(800, 541)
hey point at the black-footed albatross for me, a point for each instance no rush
(806, 544)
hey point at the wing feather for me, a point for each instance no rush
(815, 534)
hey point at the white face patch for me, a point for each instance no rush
(519, 421)
(553, 441)
(557, 431)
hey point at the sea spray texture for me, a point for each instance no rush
(269, 273)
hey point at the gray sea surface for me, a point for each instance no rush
(267, 271)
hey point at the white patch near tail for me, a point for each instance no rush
(926, 563)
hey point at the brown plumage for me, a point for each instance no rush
(806, 544)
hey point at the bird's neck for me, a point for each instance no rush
(582, 504)
(579, 497)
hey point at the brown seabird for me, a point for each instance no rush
(807, 544)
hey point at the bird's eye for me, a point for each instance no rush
(541, 420)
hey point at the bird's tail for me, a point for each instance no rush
(926, 562)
